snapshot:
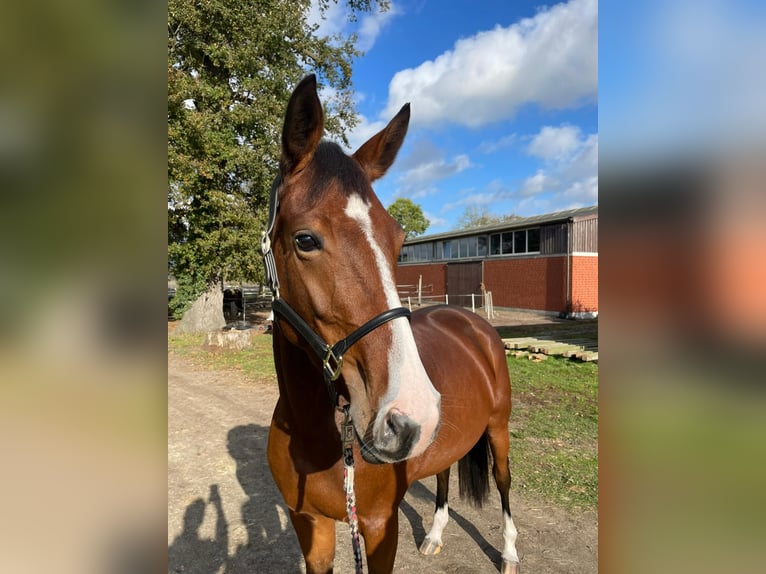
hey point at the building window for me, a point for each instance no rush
(482, 240)
(472, 246)
(463, 247)
(520, 241)
(494, 244)
(511, 242)
(533, 240)
(507, 243)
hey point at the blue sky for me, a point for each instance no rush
(504, 100)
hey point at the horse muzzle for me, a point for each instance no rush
(392, 437)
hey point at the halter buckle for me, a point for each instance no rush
(332, 371)
(265, 243)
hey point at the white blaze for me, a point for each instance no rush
(417, 398)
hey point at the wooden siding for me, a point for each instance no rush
(585, 235)
(553, 239)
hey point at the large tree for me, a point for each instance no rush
(409, 215)
(479, 216)
(231, 67)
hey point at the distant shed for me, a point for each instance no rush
(546, 262)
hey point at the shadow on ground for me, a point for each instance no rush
(271, 544)
(422, 492)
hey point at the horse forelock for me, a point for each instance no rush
(332, 169)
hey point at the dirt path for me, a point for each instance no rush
(225, 514)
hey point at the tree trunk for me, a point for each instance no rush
(205, 314)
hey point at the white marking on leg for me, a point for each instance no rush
(509, 537)
(441, 517)
(418, 399)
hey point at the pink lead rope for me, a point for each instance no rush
(348, 486)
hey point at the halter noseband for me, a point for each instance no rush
(330, 355)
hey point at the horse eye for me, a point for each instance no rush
(306, 242)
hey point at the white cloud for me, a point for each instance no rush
(435, 170)
(336, 21)
(479, 199)
(372, 25)
(555, 142)
(416, 182)
(570, 164)
(536, 184)
(583, 162)
(425, 165)
(534, 205)
(493, 146)
(416, 191)
(550, 60)
(585, 190)
(434, 221)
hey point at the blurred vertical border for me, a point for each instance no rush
(82, 286)
(682, 169)
(683, 286)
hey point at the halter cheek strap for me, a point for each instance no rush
(268, 255)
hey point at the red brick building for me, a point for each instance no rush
(546, 263)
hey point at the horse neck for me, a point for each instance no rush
(301, 386)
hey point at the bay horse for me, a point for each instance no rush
(421, 392)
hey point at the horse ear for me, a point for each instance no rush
(378, 153)
(303, 128)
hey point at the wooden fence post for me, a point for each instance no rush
(420, 290)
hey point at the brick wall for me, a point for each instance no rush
(537, 283)
(527, 283)
(585, 283)
(433, 274)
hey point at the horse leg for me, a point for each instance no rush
(432, 544)
(499, 443)
(316, 535)
(381, 537)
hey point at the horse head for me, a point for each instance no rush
(335, 249)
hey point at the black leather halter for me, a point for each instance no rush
(330, 355)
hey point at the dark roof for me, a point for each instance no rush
(557, 216)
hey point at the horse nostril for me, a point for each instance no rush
(399, 425)
(396, 438)
(394, 424)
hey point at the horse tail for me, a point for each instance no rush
(473, 473)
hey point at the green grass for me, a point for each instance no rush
(554, 423)
(257, 362)
(554, 430)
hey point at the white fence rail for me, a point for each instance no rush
(419, 295)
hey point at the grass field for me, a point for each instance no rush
(554, 424)
(554, 430)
